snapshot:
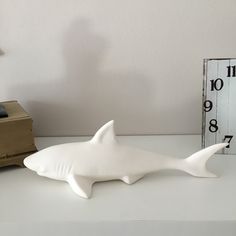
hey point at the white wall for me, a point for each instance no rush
(76, 64)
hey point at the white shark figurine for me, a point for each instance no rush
(102, 158)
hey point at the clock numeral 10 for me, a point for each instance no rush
(217, 84)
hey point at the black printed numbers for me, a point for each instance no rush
(228, 139)
(207, 105)
(217, 84)
(218, 103)
(213, 125)
(231, 71)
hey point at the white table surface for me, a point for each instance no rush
(167, 196)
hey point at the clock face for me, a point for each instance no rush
(219, 103)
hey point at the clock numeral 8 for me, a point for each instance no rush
(213, 125)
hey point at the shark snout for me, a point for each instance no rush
(32, 163)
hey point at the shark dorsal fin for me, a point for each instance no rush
(105, 134)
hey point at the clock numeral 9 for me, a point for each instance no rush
(207, 105)
(229, 137)
(213, 125)
(217, 84)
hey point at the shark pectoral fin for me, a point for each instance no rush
(81, 185)
(131, 179)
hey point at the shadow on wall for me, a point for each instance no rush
(1, 52)
(86, 97)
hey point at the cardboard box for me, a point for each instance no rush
(16, 137)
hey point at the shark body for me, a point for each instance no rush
(102, 158)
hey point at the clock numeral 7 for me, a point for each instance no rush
(228, 139)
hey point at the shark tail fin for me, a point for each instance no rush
(196, 163)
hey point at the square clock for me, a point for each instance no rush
(219, 103)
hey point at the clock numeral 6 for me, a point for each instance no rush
(207, 105)
(228, 139)
(216, 84)
(213, 125)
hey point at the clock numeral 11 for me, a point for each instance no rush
(231, 69)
